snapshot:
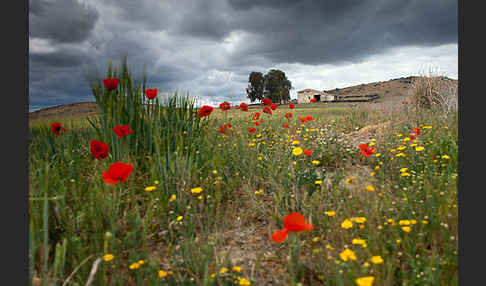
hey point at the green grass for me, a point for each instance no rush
(249, 182)
(73, 209)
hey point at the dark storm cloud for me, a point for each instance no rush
(317, 32)
(64, 21)
(182, 42)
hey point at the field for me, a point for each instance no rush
(203, 202)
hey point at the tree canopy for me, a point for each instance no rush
(255, 86)
(273, 85)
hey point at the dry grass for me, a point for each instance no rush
(433, 91)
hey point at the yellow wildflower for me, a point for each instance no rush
(244, 281)
(445, 157)
(347, 224)
(365, 281)
(172, 198)
(315, 162)
(179, 218)
(376, 259)
(404, 222)
(349, 180)
(108, 257)
(162, 273)
(360, 219)
(330, 213)
(403, 169)
(405, 174)
(318, 182)
(236, 268)
(297, 151)
(347, 254)
(150, 188)
(359, 241)
(223, 270)
(400, 155)
(370, 188)
(419, 148)
(196, 190)
(406, 228)
(259, 192)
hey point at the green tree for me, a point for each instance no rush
(255, 86)
(276, 86)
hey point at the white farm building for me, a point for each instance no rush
(305, 95)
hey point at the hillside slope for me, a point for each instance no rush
(391, 91)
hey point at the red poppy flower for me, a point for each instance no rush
(261, 120)
(365, 150)
(273, 106)
(256, 123)
(411, 136)
(243, 107)
(434, 157)
(224, 106)
(267, 101)
(225, 127)
(291, 106)
(57, 128)
(313, 100)
(294, 222)
(267, 110)
(122, 130)
(302, 119)
(309, 117)
(256, 116)
(417, 131)
(285, 125)
(117, 172)
(307, 152)
(288, 115)
(111, 83)
(252, 130)
(151, 93)
(99, 149)
(406, 102)
(205, 110)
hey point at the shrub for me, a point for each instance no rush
(432, 91)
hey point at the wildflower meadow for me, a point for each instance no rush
(156, 191)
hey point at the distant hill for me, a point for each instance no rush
(393, 90)
(389, 91)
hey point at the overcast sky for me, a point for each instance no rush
(208, 48)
